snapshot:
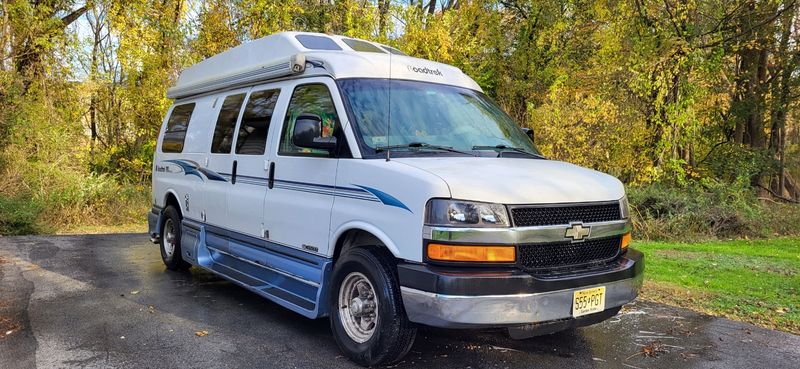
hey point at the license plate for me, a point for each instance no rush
(590, 300)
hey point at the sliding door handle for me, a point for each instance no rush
(233, 173)
(271, 180)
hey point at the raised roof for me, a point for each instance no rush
(302, 53)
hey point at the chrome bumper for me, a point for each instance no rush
(450, 311)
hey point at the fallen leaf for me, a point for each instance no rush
(201, 333)
(653, 349)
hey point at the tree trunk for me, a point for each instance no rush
(383, 16)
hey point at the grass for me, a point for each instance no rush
(752, 281)
(140, 227)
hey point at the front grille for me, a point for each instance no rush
(550, 256)
(555, 215)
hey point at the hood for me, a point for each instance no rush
(519, 181)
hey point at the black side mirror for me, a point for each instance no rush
(528, 131)
(308, 133)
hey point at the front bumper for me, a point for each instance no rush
(450, 298)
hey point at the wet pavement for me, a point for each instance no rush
(106, 301)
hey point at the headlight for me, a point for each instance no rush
(624, 207)
(456, 213)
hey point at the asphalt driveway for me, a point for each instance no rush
(106, 301)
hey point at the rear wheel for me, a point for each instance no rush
(171, 240)
(367, 317)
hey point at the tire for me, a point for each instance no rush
(392, 334)
(170, 243)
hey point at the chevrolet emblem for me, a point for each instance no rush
(577, 232)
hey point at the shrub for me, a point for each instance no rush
(707, 211)
(19, 216)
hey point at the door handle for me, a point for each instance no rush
(271, 181)
(233, 173)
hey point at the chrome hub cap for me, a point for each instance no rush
(169, 238)
(358, 307)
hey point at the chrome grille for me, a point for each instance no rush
(525, 216)
(550, 256)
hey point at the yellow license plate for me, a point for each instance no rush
(590, 300)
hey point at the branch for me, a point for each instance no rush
(71, 17)
(775, 195)
(750, 29)
(672, 19)
(712, 151)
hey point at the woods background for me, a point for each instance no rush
(693, 104)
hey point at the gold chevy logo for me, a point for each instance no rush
(577, 232)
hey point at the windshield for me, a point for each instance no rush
(427, 115)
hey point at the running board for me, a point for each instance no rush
(289, 277)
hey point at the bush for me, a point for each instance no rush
(714, 210)
(19, 216)
(46, 181)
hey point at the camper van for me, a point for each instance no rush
(341, 178)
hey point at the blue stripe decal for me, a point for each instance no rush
(359, 192)
(191, 168)
(386, 198)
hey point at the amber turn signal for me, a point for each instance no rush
(626, 240)
(491, 254)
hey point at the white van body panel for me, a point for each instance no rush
(396, 197)
(299, 205)
(187, 190)
(520, 181)
(252, 171)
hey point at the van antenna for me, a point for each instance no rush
(389, 114)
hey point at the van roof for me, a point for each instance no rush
(288, 54)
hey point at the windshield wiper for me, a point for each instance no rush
(423, 146)
(501, 148)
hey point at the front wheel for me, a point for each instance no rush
(368, 319)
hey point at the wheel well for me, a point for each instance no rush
(356, 238)
(172, 200)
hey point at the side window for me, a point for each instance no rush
(175, 131)
(313, 99)
(226, 123)
(252, 138)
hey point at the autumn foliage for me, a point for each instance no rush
(677, 98)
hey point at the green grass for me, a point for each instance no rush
(754, 281)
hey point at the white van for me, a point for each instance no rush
(339, 177)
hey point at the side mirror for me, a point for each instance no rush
(528, 131)
(308, 133)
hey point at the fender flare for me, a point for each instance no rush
(364, 227)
